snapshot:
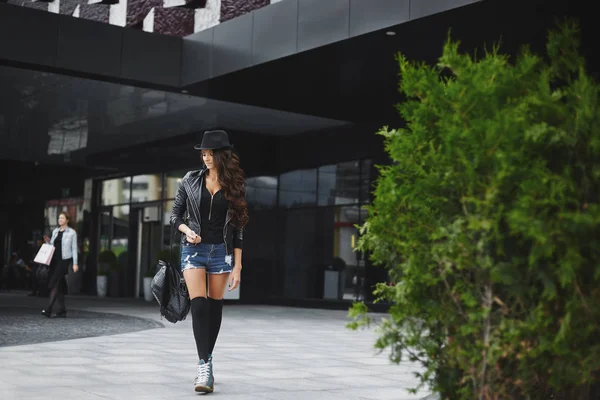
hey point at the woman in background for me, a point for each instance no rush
(64, 240)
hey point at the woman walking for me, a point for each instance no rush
(213, 202)
(64, 240)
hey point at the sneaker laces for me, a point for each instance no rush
(203, 374)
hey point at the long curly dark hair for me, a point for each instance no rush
(231, 180)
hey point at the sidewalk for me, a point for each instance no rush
(263, 352)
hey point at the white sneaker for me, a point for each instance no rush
(204, 381)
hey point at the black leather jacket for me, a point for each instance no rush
(186, 210)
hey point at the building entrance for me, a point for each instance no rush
(146, 235)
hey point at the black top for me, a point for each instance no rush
(213, 213)
(187, 205)
(58, 246)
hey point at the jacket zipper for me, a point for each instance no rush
(227, 219)
(210, 209)
(197, 208)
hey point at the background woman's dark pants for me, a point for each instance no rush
(58, 285)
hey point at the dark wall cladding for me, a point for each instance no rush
(234, 8)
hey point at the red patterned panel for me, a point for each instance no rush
(137, 10)
(95, 12)
(68, 6)
(174, 21)
(234, 8)
(30, 4)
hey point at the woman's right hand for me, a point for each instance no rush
(192, 237)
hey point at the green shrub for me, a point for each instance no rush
(488, 218)
(107, 260)
(122, 260)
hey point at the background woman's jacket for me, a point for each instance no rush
(69, 243)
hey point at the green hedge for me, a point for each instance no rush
(488, 219)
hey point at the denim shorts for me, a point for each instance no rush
(211, 257)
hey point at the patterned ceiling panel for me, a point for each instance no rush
(177, 18)
(234, 8)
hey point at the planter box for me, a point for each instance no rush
(101, 283)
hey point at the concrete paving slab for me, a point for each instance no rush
(271, 353)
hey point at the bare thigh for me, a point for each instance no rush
(195, 280)
(216, 285)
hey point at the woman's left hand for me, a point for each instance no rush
(235, 277)
(75, 268)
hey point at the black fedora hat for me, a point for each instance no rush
(212, 140)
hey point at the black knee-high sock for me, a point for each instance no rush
(216, 315)
(201, 326)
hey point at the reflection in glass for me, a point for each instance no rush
(339, 183)
(168, 207)
(327, 179)
(68, 135)
(298, 188)
(168, 231)
(352, 262)
(261, 192)
(105, 229)
(120, 230)
(146, 188)
(114, 230)
(116, 191)
(365, 181)
(299, 257)
(172, 181)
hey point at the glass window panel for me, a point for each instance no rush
(114, 229)
(146, 188)
(298, 188)
(339, 184)
(167, 212)
(349, 262)
(168, 231)
(105, 230)
(172, 181)
(261, 192)
(365, 181)
(347, 183)
(327, 179)
(120, 235)
(299, 257)
(116, 191)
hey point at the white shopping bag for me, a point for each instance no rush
(44, 256)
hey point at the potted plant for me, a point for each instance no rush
(115, 275)
(106, 259)
(101, 283)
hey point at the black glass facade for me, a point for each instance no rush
(302, 228)
(127, 120)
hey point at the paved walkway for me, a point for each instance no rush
(271, 353)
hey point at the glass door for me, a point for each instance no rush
(146, 239)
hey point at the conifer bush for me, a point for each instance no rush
(488, 220)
